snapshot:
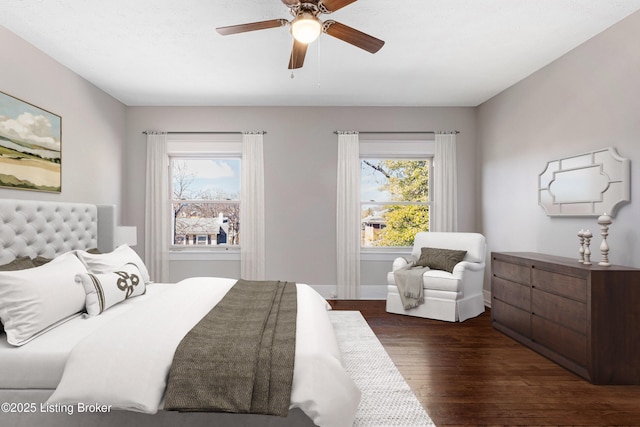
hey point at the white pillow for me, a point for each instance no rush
(108, 289)
(106, 263)
(34, 300)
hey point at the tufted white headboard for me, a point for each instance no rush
(37, 228)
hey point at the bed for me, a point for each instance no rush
(107, 362)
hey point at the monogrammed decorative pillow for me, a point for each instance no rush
(108, 289)
(106, 263)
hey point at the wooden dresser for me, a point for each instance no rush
(585, 318)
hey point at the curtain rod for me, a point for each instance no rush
(397, 132)
(262, 132)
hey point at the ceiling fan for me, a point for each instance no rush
(306, 27)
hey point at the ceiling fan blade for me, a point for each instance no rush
(298, 53)
(253, 26)
(333, 5)
(353, 36)
(291, 2)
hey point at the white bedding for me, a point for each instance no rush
(132, 373)
(39, 364)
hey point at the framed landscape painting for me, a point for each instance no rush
(30, 146)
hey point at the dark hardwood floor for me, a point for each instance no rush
(469, 374)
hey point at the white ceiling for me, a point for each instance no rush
(437, 52)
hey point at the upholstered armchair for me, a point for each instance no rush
(454, 295)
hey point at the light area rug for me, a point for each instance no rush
(387, 399)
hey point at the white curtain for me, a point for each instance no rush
(252, 233)
(444, 214)
(348, 216)
(157, 208)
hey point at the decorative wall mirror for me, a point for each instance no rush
(588, 184)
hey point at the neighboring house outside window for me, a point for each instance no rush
(201, 231)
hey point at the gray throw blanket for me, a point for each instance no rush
(239, 357)
(410, 284)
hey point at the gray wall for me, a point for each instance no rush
(93, 123)
(586, 100)
(300, 151)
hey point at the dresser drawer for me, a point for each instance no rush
(561, 284)
(563, 341)
(514, 272)
(510, 292)
(569, 313)
(511, 317)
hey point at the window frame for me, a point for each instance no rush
(201, 147)
(395, 150)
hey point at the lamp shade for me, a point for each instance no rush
(126, 234)
(306, 28)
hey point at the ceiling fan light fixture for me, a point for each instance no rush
(306, 28)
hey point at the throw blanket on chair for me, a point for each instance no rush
(410, 284)
(239, 357)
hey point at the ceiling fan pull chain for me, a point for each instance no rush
(318, 69)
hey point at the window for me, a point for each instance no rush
(394, 200)
(205, 200)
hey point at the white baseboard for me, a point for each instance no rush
(373, 292)
(327, 291)
(487, 298)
